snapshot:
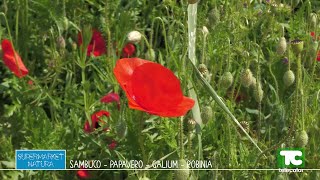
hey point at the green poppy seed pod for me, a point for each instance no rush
(226, 80)
(192, 1)
(150, 54)
(121, 129)
(288, 78)
(245, 126)
(203, 69)
(282, 46)
(301, 138)
(313, 20)
(297, 46)
(182, 174)
(258, 92)
(191, 124)
(213, 17)
(61, 43)
(207, 114)
(246, 78)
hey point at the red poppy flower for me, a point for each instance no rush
(111, 97)
(12, 59)
(112, 145)
(95, 118)
(318, 56)
(97, 45)
(83, 174)
(152, 88)
(128, 50)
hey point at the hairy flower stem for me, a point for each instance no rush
(181, 138)
(141, 141)
(299, 92)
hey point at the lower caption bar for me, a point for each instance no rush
(41, 159)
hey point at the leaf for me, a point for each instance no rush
(8, 164)
(252, 111)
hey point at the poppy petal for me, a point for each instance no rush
(83, 174)
(180, 110)
(111, 97)
(97, 45)
(12, 59)
(156, 88)
(123, 73)
(128, 50)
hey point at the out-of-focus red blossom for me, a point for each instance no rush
(83, 174)
(128, 50)
(12, 59)
(97, 45)
(112, 145)
(95, 121)
(151, 87)
(111, 97)
(313, 37)
(237, 97)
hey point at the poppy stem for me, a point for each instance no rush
(141, 140)
(181, 138)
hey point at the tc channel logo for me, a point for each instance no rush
(290, 158)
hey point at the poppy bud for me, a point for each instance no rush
(150, 54)
(182, 174)
(207, 114)
(121, 129)
(297, 46)
(61, 43)
(65, 23)
(301, 139)
(203, 69)
(205, 31)
(134, 36)
(213, 17)
(226, 80)
(288, 78)
(282, 46)
(246, 78)
(258, 92)
(253, 82)
(245, 126)
(192, 1)
(281, 177)
(313, 20)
